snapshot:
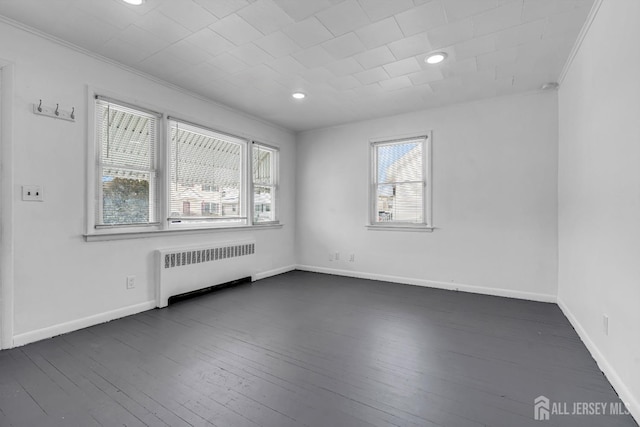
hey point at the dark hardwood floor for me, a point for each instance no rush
(305, 349)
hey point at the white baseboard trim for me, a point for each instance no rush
(616, 381)
(74, 325)
(484, 290)
(273, 272)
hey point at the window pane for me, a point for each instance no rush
(399, 162)
(262, 165)
(205, 175)
(263, 204)
(127, 140)
(125, 197)
(400, 202)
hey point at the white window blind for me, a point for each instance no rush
(126, 144)
(264, 171)
(399, 182)
(206, 175)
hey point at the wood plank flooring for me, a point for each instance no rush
(305, 349)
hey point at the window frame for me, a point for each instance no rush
(427, 185)
(275, 186)
(243, 215)
(161, 226)
(94, 152)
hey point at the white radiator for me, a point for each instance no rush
(182, 270)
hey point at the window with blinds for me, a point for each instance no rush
(126, 163)
(264, 171)
(399, 182)
(206, 175)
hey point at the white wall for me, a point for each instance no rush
(60, 281)
(494, 203)
(599, 194)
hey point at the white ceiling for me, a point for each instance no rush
(355, 59)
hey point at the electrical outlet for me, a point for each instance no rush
(336, 256)
(32, 193)
(131, 282)
(605, 324)
(352, 258)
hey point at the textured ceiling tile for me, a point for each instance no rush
(429, 15)
(143, 40)
(395, 83)
(344, 46)
(266, 16)
(426, 76)
(250, 54)
(122, 51)
(344, 67)
(373, 58)
(299, 10)
(313, 57)
(188, 14)
(317, 75)
(460, 68)
(308, 32)
(121, 16)
(343, 17)
(236, 30)
(475, 47)
(380, 9)
(371, 76)
(379, 33)
(497, 19)
(451, 34)
(525, 33)
(95, 32)
(162, 27)
(209, 41)
(228, 63)
(187, 53)
(286, 65)
(537, 9)
(499, 57)
(460, 9)
(411, 46)
(400, 68)
(277, 44)
(344, 83)
(222, 8)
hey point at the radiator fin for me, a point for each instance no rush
(182, 258)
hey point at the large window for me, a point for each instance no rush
(126, 145)
(155, 174)
(264, 167)
(207, 171)
(400, 188)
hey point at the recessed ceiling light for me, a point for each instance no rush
(435, 58)
(134, 2)
(298, 95)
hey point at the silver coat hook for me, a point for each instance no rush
(40, 106)
(73, 110)
(57, 112)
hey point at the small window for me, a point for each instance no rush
(206, 170)
(400, 190)
(126, 165)
(265, 168)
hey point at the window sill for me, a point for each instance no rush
(125, 235)
(419, 228)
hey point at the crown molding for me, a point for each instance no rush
(127, 68)
(581, 36)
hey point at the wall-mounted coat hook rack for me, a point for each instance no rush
(55, 113)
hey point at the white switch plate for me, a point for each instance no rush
(32, 193)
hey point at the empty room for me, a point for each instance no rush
(319, 213)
